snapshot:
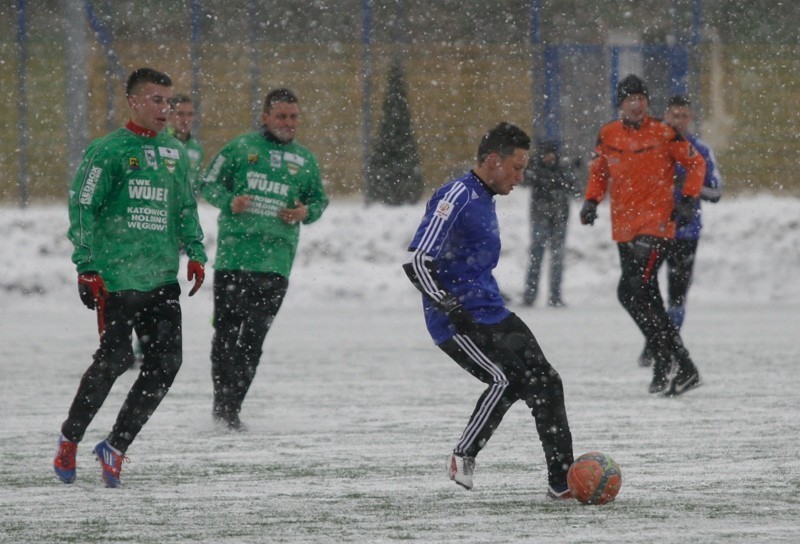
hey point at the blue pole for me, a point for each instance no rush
(22, 107)
(697, 14)
(103, 34)
(112, 87)
(614, 79)
(535, 42)
(552, 93)
(366, 78)
(194, 52)
(255, 67)
(694, 54)
(678, 55)
(535, 35)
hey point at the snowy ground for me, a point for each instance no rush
(354, 411)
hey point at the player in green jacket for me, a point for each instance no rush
(265, 185)
(181, 119)
(131, 211)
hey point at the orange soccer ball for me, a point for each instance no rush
(594, 478)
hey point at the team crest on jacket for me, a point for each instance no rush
(252, 158)
(443, 210)
(294, 162)
(133, 163)
(170, 156)
(150, 155)
(275, 159)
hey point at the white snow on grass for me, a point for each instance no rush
(353, 411)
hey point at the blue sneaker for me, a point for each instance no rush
(111, 461)
(64, 463)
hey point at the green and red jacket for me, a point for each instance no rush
(131, 210)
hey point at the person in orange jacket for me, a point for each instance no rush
(633, 163)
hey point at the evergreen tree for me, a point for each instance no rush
(393, 169)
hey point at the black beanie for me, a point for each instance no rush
(632, 84)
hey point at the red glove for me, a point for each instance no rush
(92, 289)
(197, 272)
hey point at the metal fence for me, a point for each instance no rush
(468, 65)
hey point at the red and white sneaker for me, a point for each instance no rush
(111, 461)
(460, 470)
(64, 463)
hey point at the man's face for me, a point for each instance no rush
(634, 108)
(281, 120)
(149, 105)
(181, 118)
(678, 117)
(549, 159)
(504, 173)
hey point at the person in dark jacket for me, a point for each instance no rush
(552, 187)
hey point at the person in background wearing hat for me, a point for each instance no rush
(552, 187)
(633, 161)
(680, 257)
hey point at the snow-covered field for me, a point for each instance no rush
(354, 411)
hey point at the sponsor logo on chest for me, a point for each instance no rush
(141, 189)
(258, 181)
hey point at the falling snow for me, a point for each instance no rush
(353, 411)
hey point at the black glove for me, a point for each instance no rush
(462, 320)
(91, 288)
(589, 212)
(684, 211)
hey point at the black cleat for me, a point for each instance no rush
(660, 384)
(683, 382)
(646, 358)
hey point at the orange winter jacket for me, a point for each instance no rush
(636, 166)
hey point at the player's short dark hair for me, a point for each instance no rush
(503, 139)
(146, 75)
(278, 95)
(679, 100)
(179, 99)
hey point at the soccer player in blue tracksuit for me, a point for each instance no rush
(682, 250)
(451, 259)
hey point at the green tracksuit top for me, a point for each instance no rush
(275, 175)
(195, 153)
(131, 211)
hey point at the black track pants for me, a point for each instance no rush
(507, 358)
(680, 264)
(245, 305)
(639, 294)
(156, 317)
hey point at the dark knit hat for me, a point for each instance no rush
(548, 146)
(632, 84)
(680, 100)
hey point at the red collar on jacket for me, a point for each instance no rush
(141, 131)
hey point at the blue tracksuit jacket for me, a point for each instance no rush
(711, 191)
(455, 250)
